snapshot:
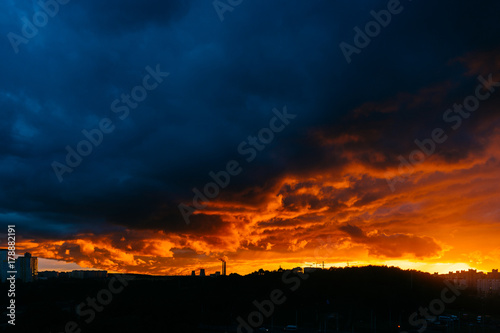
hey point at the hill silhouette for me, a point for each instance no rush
(354, 299)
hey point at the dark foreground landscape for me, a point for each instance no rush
(368, 299)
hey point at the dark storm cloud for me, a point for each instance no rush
(392, 246)
(117, 16)
(353, 231)
(225, 79)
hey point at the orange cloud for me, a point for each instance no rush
(341, 209)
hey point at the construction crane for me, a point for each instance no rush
(223, 266)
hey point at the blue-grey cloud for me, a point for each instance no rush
(225, 79)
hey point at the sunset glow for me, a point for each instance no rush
(375, 164)
(443, 217)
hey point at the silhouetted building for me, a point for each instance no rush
(202, 272)
(4, 266)
(193, 273)
(483, 283)
(81, 274)
(488, 286)
(308, 270)
(27, 267)
(48, 274)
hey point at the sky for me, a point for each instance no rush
(157, 137)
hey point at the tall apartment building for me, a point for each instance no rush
(488, 286)
(27, 267)
(4, 267)
(485, 283)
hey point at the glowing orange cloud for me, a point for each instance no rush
(444, 216)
